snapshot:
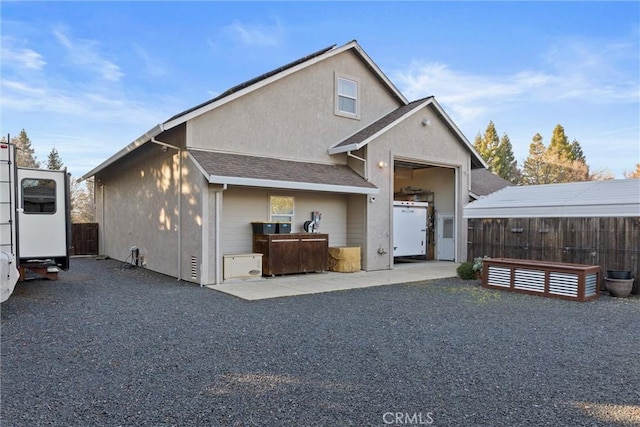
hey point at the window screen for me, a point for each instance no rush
(281, 208)
(447, 228)
(39, 196)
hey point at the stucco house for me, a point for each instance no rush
(327, 133)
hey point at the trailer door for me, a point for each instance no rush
(43, 215)
(409, 228)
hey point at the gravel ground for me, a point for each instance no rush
(113, 346)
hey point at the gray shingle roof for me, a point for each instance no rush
(380, 124)
(270, 169)
(484, 182)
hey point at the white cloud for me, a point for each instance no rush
(151, 66)
(256, 35)
(21, 57)
(579, 70)
(85, 53)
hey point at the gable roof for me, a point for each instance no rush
(397, 116)
(278, 73)
(614, 198)
(485, 182)
(237, 169)
(249, 86)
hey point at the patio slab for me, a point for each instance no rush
(313, 283)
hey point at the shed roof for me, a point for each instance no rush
(614, 198)
(238, 169)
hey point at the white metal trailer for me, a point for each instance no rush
(35, 223)
(410, 228)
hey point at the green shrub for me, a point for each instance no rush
(465, 271)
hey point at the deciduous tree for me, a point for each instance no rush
(634, 174)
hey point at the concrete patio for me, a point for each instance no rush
(312, 283)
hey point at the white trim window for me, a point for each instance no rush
(347, 97)
(281, 209)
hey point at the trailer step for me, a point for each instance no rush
(46, 272)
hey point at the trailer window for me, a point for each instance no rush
(39, 196)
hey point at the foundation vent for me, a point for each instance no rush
(194, 267)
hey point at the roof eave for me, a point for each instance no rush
(290, 185)
(140, 141)
(332, 52)
(337, 149)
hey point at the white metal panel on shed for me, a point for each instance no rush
(613, 198)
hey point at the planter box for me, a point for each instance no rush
(576, 282)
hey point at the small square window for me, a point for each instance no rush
(347, 99)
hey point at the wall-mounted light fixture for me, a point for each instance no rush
(382, 164)
(426, 122)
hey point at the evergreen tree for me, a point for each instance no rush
(505, 164)
(54, 162)
(577, 153)
(487, 145)
(25, 154)
(534, 167)
(560, 143)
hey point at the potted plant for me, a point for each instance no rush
(477, 266)
(619, 283)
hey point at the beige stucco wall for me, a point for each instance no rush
(138, 204)
(411, 140)
(293, 118)
(241, 206)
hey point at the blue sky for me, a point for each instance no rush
(90, 77)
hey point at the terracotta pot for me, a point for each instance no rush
(619, 287)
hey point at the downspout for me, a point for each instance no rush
(218, 215)
(102, 241)
(164, 146)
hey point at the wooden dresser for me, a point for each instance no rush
(291, 253)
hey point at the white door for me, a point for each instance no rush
(445, 244)
(42, 227)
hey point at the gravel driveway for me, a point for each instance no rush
(113, 346)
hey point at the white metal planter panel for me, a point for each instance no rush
(563, 284)
(530, 280)
(499, 276)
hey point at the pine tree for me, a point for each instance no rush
(577, 153)
(560, 143)
(487, 145)
(505, 164)
(534, 168)
(54, 162)
(25, 154)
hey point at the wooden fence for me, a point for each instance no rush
(611, 243)
(84, 238)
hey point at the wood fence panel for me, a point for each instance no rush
(84, 239)
(611, 243)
